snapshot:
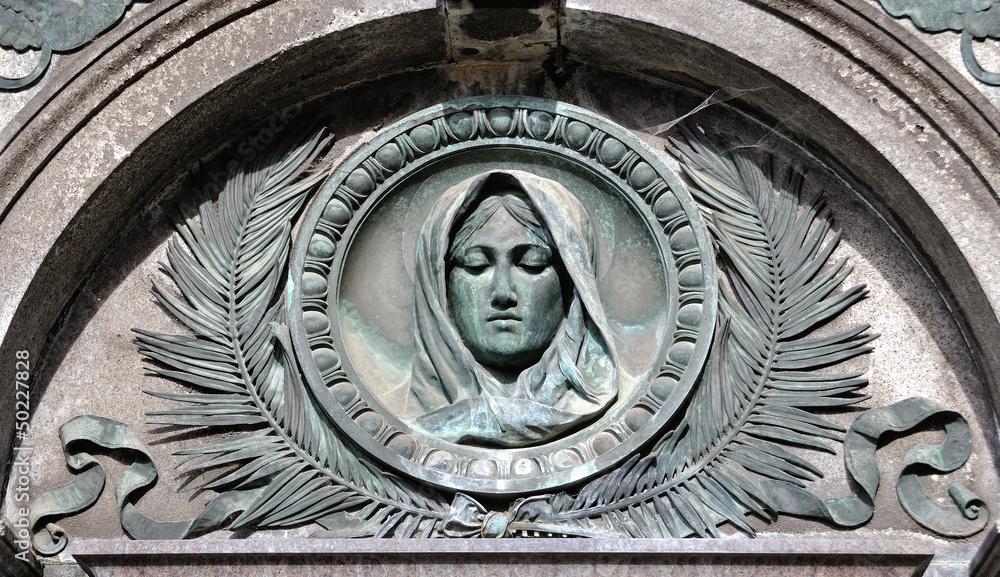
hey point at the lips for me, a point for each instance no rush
(502, 316)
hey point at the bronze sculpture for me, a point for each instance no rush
(492, 366)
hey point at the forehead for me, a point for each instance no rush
(502, 230)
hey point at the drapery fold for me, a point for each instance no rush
(451, 395)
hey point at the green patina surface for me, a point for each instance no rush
(975, 19)
(52, 25)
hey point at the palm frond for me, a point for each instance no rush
(229, 273)
(751, 407)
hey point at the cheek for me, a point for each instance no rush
(464, 298)
(543, 300)
(554, 294)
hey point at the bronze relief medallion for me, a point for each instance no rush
(502, 295)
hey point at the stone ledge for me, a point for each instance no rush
(986, 561)
(523, 558)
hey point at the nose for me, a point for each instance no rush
(503, 295)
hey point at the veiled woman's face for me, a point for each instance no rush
(504, 293)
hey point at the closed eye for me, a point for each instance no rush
(533, 268)
(474, 261)
(535, 259)
(473, 268)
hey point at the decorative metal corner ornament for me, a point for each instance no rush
(975, 19)
(513, 302)
(52, 25)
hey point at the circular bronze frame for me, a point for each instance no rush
(639, 175)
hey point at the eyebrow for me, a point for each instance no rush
(529, 244)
